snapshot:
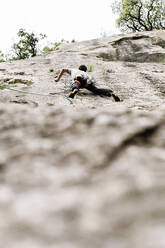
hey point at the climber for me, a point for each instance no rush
(81, 79)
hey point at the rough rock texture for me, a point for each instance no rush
(135, 47)
(88, 174)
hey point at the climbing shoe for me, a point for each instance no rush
(116, 98)
(73, 93)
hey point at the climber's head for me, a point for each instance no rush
(83, 68)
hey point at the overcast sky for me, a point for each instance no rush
(58, 19)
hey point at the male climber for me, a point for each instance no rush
(81, 79)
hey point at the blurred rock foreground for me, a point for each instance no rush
(88, 174)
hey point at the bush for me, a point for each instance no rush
(2, 59)
(27, 45)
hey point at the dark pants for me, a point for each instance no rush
(99, 91)
(91, 87)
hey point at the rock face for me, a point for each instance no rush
(88, 174)
(139, 47)
(135, 47)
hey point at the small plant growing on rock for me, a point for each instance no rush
(108, 70)
(56, 45)
(2, 59)
(2, 87)
(51, 70)
(47, 49)
(90, 68)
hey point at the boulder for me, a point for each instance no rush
(134, 47)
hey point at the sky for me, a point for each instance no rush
(58, 19)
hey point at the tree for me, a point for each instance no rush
(27, 44)
(140, 15)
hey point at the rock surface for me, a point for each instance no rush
(88, 174)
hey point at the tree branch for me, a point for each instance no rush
(140, 21)
(148, 15)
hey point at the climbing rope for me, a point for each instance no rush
(69, 99)
(33, 93)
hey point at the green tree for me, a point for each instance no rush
(27, 44)
(140, 15)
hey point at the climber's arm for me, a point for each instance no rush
(61, 73)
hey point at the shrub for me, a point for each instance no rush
(27, 45)
(90, 68)
(2, 59)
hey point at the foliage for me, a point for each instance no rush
(51, 70)
(51, 47)
(27, 44)
(90, 68)
(108, 70)
(140, 15)
(2, 58)
(2, 87)
(47, 49)
(56, 45)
